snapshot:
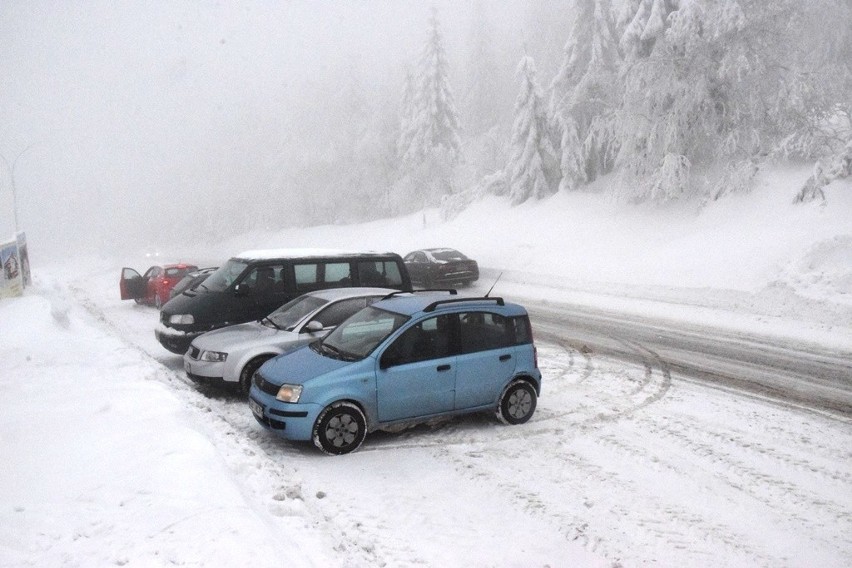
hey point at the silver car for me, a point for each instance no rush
(232, 354)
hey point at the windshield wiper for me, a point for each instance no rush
(275, 325)
(331, 349)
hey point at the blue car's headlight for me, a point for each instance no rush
(289, 393)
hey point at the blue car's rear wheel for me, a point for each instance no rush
(340, 428)
(517, 403)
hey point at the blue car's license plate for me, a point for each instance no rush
(256, 407)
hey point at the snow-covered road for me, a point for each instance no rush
(625, 459)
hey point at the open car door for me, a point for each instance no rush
(132, 285)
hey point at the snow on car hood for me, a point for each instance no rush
(300, 366)
(242, 336)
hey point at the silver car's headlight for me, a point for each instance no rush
(184, 319)
(289, 393)
(213, 356)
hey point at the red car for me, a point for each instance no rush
(153, 287)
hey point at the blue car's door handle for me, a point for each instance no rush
(505, 357)
(443, 368)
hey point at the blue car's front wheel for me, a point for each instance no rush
(340, 428)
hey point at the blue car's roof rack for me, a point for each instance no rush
(431, 307)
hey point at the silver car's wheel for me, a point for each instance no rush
(517, 403)
(247, 374)
(340, 428)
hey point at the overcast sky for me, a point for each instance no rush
(114, 112)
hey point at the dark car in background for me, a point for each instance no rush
(155, 286)
(253, 284)
(441, 267)
(191, 280)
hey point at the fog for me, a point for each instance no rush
(143, 124)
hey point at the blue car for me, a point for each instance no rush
(406, 358)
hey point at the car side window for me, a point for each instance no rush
(152, 272)
(337, 272)
(523, 330)
(334, 314)
(265, 279)
(379, 273)
(306, 276)
(429, 339)
(481, 331)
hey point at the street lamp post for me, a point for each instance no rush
(11, 170)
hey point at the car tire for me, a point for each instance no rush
(249, 370)
(340, 429)
(518, 403)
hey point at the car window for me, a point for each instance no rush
(291, 313)
(522, 329)
(152, 272)
(429, 339)
(379, 273)
(481, 331)
(306, 276)
(337, 272)
(339, 311)
(448, 254)
(356, 337)
(224, 276)
(265, 279)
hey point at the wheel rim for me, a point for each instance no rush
(519, 403)
(342, 430)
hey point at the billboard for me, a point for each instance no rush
(24, 257)
(11, 273)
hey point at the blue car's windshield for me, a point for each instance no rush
(224, 276)
(356, 337)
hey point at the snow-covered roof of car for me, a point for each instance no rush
(271, 254)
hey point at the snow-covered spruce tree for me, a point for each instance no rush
(434, 122)
(407, 115)
(585, 93)
(731, 81)
(679, 79)
(533, 168)
(429, 146)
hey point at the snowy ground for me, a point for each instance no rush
(113, 458)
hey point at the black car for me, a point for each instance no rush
(441, 267)
(191, 280)
(254, 283)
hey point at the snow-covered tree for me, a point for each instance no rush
(711, 80)
(434, 124)
(585, 93)
(533, 168)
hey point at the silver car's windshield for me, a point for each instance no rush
(291, 313)
(356, 337)
(224, 276)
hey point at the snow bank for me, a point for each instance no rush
(103, 464)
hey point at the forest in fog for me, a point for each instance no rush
(203, 120)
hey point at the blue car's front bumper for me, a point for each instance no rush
(290, 421)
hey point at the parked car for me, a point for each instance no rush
(191, 280)
(441, 267)
(153, 287)
(407, 358)
(231, 355)
(255, 283)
